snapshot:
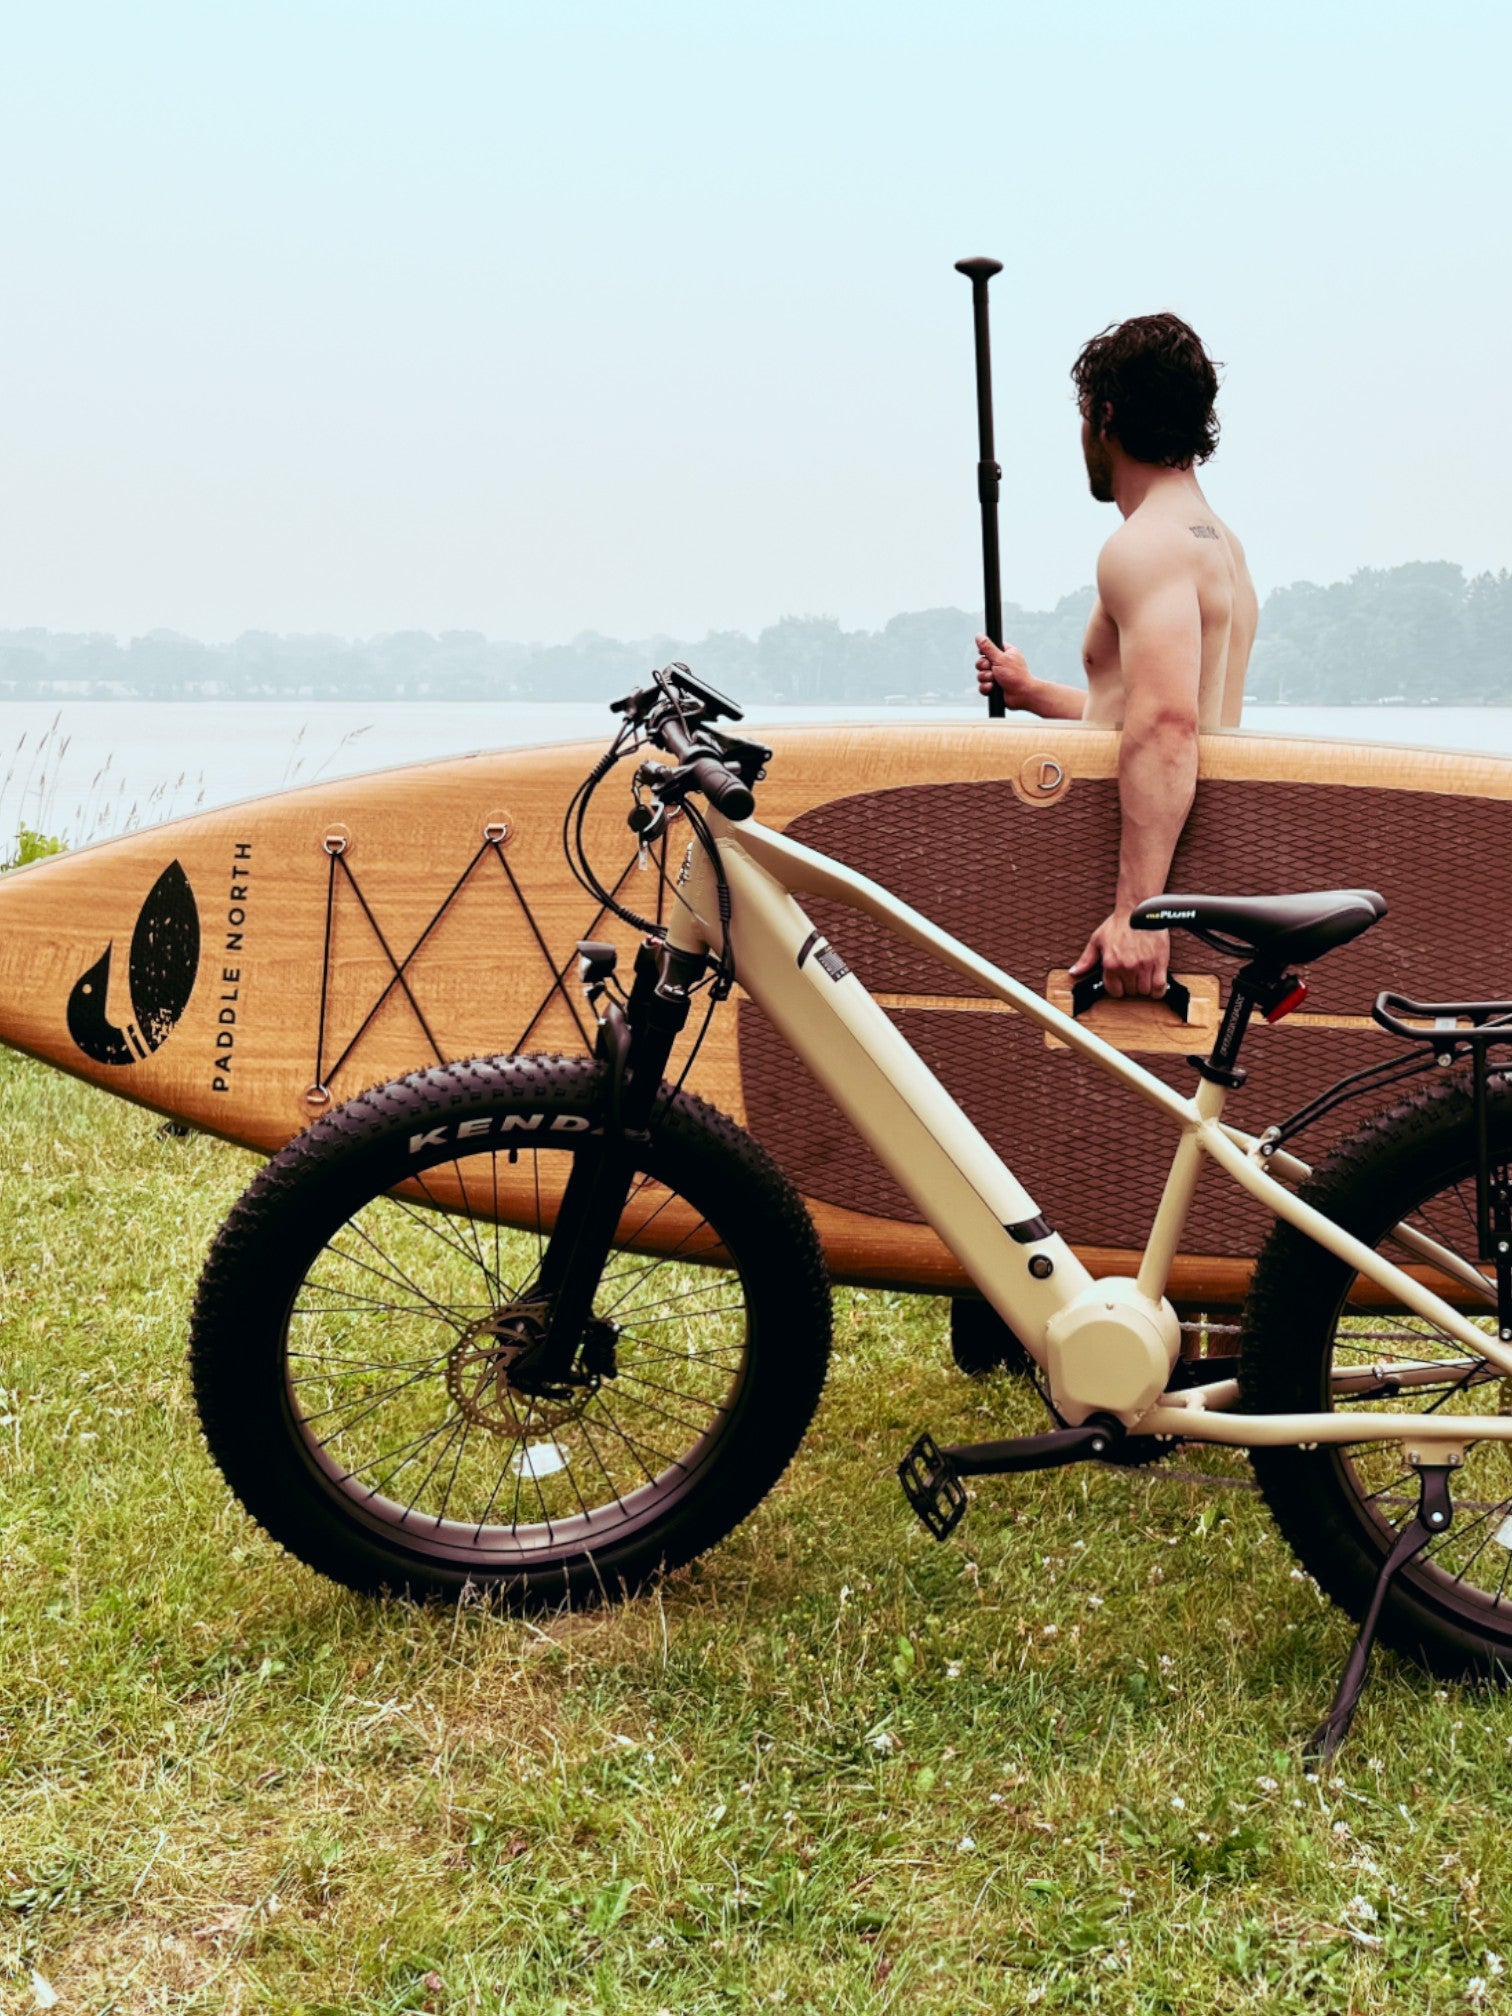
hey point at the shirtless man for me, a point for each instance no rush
(1169, 637)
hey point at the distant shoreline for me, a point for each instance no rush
(1418, 635)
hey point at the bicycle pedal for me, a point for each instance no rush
(933, 1487)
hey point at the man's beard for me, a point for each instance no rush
(1099, 470)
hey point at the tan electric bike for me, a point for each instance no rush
(545, 1326)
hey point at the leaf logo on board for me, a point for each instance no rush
(165, 950)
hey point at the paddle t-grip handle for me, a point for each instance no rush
(989, 475)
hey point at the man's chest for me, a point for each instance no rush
(1100, 645)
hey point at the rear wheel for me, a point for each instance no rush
(1317, 1337)
(362, 1308)
(981, 1342)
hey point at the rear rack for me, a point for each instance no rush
(1456, 1028)
(1447, 1032)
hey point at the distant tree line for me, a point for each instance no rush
(1420, 634)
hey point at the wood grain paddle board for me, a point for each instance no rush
(240, 969)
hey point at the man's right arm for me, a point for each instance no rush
(1006, 667)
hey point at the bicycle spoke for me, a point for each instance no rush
(376, 1401)
(428, 1222)
(676, 1419)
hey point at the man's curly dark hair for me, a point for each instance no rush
(1160, 383)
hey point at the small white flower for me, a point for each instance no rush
(1267, 1784)
(1178, 1803)
(996, 1799)
(1050, 1631)
(1341, 1830)
(884, 1741)
(1475, 1988)
(953, 1670)
(1167, 1663)
(1495, 1965)
(965, 1845)
(1361, 1907)
(1094, 1602)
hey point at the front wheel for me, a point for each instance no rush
(363, 1304)
(1318, 1336)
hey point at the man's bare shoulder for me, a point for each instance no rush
(1146, 553)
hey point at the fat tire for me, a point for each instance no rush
(1366, 1186)
(356, 1153)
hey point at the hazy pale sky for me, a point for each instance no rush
(538, 318)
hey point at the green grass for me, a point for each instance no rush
(835, 1767)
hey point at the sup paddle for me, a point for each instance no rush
(989, 475)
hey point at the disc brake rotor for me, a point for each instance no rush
(477, 1376)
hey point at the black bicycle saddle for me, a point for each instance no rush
(1286, 930)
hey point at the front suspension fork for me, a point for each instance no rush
(634, 1046)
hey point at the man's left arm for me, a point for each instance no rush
(1160, 655)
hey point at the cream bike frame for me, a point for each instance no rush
(980, 1209)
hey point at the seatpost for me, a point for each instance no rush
(1221, 1066)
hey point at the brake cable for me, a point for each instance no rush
(574, 845)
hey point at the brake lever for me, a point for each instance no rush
(1091, 988)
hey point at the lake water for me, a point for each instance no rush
(87, 769)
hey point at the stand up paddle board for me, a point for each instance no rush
(241, 970)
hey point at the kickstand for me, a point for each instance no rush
(1431, 1518)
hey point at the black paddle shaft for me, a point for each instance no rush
(989, 475)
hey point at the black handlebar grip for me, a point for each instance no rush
(723, 789)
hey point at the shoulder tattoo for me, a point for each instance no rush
(1203, 531)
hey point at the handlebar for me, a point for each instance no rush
(726, 791)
